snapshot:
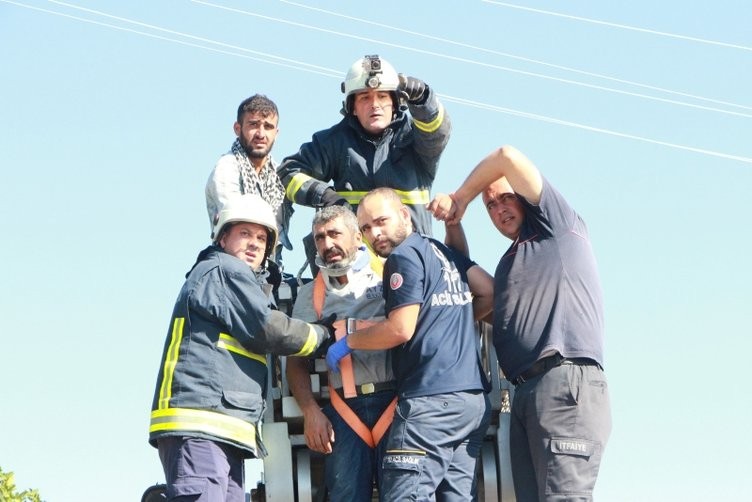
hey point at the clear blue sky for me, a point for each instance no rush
(111, 120)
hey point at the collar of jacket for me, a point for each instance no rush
(208, 252)
(205, 254)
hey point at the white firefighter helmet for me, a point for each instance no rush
(248, 208)
(369, 72)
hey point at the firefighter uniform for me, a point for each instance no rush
(405, 157)
(213, 376)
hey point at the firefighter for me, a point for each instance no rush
(376, 144)
(211, 386)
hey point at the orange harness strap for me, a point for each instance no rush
(369, 436)
(345, 364)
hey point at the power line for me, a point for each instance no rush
(621, 26)
(300, 66)
(314, 68)
(514, 56)
(469, 61)
(552, 120)
(274, 61)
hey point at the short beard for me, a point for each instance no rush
(344, 262)
(256, 154)
(399, 236)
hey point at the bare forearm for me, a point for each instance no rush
(507, 162)
(488, 170)
(455, 238)
(377, 337)
(299, 381)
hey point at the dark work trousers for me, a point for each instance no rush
(560, 424)
(353, 466)
(433, 447)
(201, 470)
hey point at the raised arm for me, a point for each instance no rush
(431, 127)
(505, 162)
(456, 239)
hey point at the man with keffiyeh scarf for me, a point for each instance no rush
(249, 168)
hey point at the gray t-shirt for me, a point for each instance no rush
(360, 298)
(547, 294)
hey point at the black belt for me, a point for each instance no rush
(365, 389)
(543, 365)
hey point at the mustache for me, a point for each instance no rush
(334, 250)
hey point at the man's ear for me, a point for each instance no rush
(405, 213)
(236, 128)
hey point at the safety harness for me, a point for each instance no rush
(369, 436)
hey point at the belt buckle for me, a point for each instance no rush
(367, 388)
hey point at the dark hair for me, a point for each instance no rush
(329, 213)
(258, 103)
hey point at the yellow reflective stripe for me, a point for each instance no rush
(310, 344)
(171, 359)
(229, 343)
(209, 422)
(412, 197)
(434, 124)
(295, 183)
(353, 198)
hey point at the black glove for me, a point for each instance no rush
(332, 198)
(328, 324)
(275, 275)
(413, 89)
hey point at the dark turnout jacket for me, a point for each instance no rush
(405, 157)
(212, 377)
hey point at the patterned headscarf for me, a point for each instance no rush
(266, 183)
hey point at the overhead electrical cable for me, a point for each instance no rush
(313, 68)
(621, 26)
(300, 66)
(167, 39)
(514, 56)
(551, 120)
(469, 61)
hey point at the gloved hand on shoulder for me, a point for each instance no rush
(336, 352)
(413, 89)
(332, 198)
